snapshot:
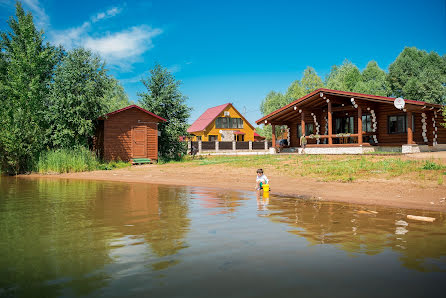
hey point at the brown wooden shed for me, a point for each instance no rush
(128, 133)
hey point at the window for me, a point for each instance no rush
(309, 129)
(239, 138)
(343, 125)
(397, 124)
(226, 122)
(212, 138)
(198, 138)
(367, 123)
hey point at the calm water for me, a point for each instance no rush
(88, 238)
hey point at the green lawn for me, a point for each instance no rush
(345, 168)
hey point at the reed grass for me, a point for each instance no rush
(77, 159)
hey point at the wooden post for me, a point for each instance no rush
(409, 128)
(359, 125)
(330, 123)
(302, 122)
(274, 135)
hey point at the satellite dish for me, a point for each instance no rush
(220, 131)
(399, 103)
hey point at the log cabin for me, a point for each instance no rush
(339, 122)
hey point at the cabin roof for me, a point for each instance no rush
(315, 94)
(132, 107)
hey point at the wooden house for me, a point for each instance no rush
(128, 133)
(221, 123)
(336, 122)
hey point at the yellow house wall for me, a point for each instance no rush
(211, 130)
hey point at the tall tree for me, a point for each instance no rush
(311, 81)
(374, 81)
(344, 77)
(26, 66)
(164, 98)
(273, 101)
(77, 99)
(115, 96)
(418, 75)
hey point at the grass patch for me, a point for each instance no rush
(73, 160)
(430, 165)
(343, 168)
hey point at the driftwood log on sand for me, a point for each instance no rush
(422, 218)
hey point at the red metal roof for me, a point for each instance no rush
(206, 118)
(131, 107)
(239, 132)
(344, 93)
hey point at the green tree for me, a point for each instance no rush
(418, 75)
(115, 96)
(294, 91)
(273, 101)
(344, 77)
(311, 81)
(374, 81)
(26, 68)
(77, 99)
(164, 98)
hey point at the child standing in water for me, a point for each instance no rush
(261, 179)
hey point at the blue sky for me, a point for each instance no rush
(237, 51)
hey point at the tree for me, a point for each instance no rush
(26, 69)
(77, 99)
(273, 101)
(373, 81)
(344, 77)
(311, 81)
(115, 96)
(418, 75)
(164, 98)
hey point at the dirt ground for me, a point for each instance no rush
(395, 192)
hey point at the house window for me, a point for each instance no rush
(239, 138)
(198, 138)
(397, 124)
(309, 129)
(227, 122)
(343, 125)
(367, 123)
(212, 138)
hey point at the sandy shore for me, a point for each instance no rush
(395, 192)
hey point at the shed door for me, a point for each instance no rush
(139, 142)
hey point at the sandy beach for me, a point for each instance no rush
(395, 192)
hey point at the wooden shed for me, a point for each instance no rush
(128, 133)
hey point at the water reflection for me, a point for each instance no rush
(58, 232)
(87, 238)
(366, 230)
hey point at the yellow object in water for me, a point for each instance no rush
(265, 187)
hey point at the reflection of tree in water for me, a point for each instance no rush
(48, 233)
(157, 214)
(358, 229)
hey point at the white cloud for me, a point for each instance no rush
(107, 14)
(127, 44)
(118, 48)
(70, 38)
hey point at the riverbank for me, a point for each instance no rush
(416, 189)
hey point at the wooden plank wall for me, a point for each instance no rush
(118, 134)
